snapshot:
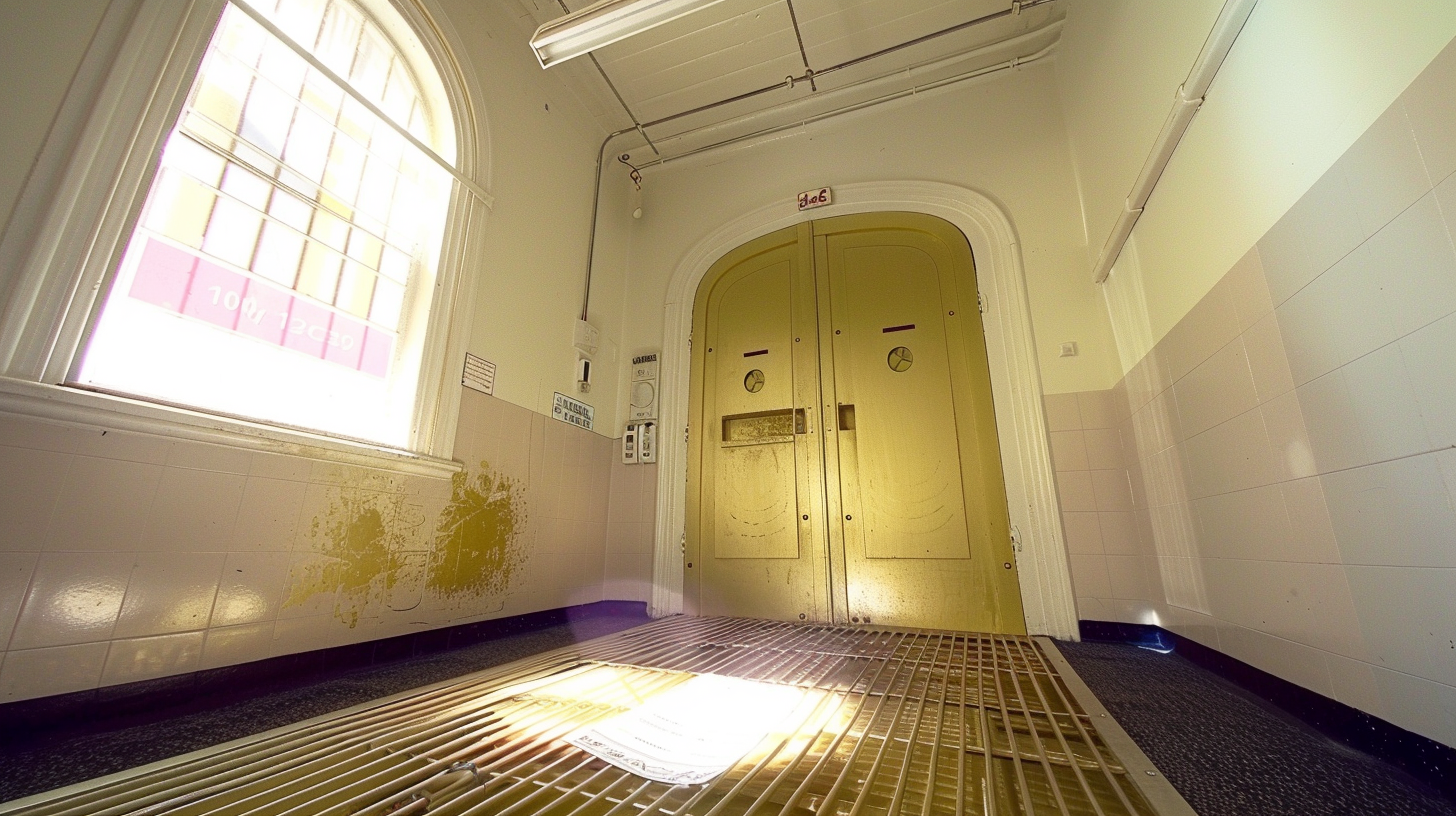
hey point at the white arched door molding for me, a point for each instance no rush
(1046, 584)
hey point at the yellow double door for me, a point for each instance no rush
(844, 463)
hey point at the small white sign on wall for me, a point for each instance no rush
(479, 374)
(809, 199)
(572, 412)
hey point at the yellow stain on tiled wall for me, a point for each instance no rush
(366, 538)
(478, 538)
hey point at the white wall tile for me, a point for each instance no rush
(1354, 684)
(1268, 361)
(16, 568)
(1414, 258)
(1244, 524)
(1074, 489)
(251, 588)
(1083, 533)
(1335, 436)
(146, 658)
(233, 645)
(1098, 409)
(1312, 536)
(278, 466)
(1431, 111)
(1431, 366)
(169, 592)
(1248, 289)
(125, 445)
(1384, 405)
(1112, 490)
(1395, 513)
(1219, 389)
(31, 673)
(1287, 266)
(1069, 450)
(1062, 413)
(1417, 704)
(1208, 327)
(1125, 577)
(1334, 625)
(30, 485)
(1336, 318)
(1289, 441)
(1384, 170)
(268, 515)
(33, 434)
(1104, 449)
(1408, 619)
(194, 510)
(1291, 661)
(202, 456)
(73, 598)
(105, 505)
(1119, 534)
(1089, 575)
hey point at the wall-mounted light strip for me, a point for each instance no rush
(604, 23)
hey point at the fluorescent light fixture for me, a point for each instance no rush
(604, 23)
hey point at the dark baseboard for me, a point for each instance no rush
(1429, 761)
(153, 700)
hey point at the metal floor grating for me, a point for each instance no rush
(905, 722)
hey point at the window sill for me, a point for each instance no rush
(67, 405)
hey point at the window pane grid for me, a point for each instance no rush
(363, 178)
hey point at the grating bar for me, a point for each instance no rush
(894, 721)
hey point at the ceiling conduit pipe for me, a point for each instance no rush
(1186, 102)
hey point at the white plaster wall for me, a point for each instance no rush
(1001, 136)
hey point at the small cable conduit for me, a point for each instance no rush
(1186, 103)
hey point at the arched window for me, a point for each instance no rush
(283, 265)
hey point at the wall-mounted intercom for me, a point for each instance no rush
(643, 390)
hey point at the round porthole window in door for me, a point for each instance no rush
(754, 381)
(900, 359)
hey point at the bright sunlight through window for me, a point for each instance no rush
(282, 267)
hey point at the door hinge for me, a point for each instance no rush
(981, 302)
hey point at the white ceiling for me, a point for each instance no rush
(739, 46)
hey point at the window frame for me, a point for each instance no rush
(77, 211)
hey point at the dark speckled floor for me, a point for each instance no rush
(1227, 752)
(1231, 754)
(54, 760)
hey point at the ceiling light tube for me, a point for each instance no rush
(604, 23)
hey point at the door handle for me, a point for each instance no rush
(846, 417)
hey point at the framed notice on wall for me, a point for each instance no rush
(572, 412)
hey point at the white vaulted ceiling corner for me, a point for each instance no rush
(662, 77)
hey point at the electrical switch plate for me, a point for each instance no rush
(587, 337)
